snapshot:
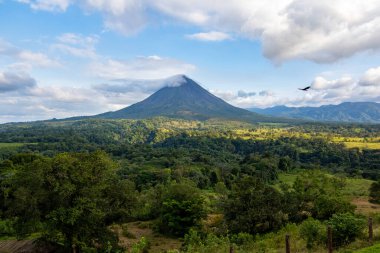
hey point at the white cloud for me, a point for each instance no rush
(22, 99)
(151, 67)
(142, 86)
(47, 5)
(124, 16)
(37, 59)
(315, 30)
(371, 77)
(209, 36)
(27, 57)
(245, 94)
(320, 83)
(77, 45)
(322, 92)
(13, 81)
(78, 39)
(288, 29)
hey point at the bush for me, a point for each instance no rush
(374, 193)
(6, 228)
(201, 243)
(242, 238)
(141, 246)
(346, 228)
(182, 208)
(313, 232)
(253, 207)
(325, 207)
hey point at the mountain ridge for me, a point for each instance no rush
(355, 112)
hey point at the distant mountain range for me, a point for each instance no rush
(183, 98)
(363, 112)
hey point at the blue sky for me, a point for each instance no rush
(61, 58)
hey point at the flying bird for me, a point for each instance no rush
(306, 88)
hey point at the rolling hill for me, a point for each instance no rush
(362, 112)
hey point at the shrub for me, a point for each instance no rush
(253, 207)
(313, 232)
(6, 228)
(325, 207)
(346, 228)
(182, 208)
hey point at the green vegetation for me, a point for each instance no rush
(372, 249)
(103, 185)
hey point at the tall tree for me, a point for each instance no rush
(69, 197)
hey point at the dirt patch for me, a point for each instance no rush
(158, 243)
(363, 206)
(25, 246)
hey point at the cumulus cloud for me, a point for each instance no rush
(323, 91)
(126, 17)
(22, 99)
(144, 67)
(15, 82)
(320, 83)
(77, 45)
(28, 57)
(209, 36)
(287, 29)
(371, 77)
(245, 94)
(143, 86)
(247, 99)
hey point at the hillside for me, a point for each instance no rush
(363, 112)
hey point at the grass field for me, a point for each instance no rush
(362, 145)
(263, 133)
(11, 145)
(373, 249)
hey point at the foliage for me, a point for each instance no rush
(372, 249)
(182, 208)
(142, 246)
(326, 206)
(346, 228)
(253, 207)
(209, 243)
(313, 232)
(318, 195)
(6, 228)
(69, 196)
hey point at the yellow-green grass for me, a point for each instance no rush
(362, 145)
(372, 249)
(4, 145)
(357, 187)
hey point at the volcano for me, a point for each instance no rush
(181, 97)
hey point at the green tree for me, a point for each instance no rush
(313, 232)
(346, 228)
(253, 207)
(69, 196)
(182, 208)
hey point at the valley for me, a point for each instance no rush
(155, 156)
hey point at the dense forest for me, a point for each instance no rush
(80, 186)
